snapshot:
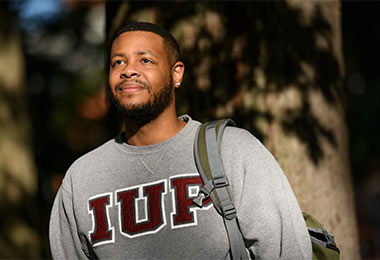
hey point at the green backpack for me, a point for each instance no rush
(209, 164)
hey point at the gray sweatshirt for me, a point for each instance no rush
(135, 202)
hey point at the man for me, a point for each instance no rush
(132, 196)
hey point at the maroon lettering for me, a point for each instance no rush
(101, 232)
(141, 208)
(152, 194)
(185, 188)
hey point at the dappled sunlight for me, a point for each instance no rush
(276, 68)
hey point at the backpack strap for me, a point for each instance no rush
(207, 153)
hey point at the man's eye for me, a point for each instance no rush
(117, 62)
(146, 61)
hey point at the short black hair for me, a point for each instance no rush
(170, 44)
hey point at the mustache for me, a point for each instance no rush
(142, 83)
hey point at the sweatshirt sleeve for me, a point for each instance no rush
(64, 237)
(268, 212)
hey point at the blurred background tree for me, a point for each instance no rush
(62, 42)
(361, 38)
(276, 68)
(18, 177)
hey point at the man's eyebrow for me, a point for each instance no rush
(146, 52)
(139, 53)
(117, 54)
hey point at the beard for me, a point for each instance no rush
(143, 113)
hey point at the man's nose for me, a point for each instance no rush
(130, 70)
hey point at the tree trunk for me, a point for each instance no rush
(18, 181)
(307, 130)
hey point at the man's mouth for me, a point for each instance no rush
(132, 86)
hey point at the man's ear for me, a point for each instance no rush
(177, 73)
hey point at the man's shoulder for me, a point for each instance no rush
(241, 141)
(93, 157)
(237, 136)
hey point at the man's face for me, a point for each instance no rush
(140, 76)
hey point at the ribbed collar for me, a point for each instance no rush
(185, 132)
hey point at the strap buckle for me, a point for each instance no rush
(204, 193)
(199, 199)
(220, 181)
(330, 240)
(228, 210)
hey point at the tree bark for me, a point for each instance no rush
(318, 172)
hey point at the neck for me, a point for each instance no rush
(158, 130)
